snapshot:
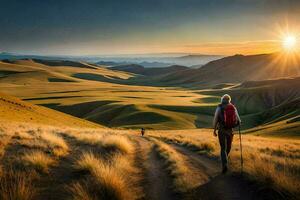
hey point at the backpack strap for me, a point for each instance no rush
(221, 114)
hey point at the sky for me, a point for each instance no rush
(109, 27)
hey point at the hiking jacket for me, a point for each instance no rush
(218, 114)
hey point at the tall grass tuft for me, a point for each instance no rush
(119, 143)
(38, 160)
(56, 144)
(87, 162)
(80, 191)
(105, 182)
(15, 185)
(176, 165)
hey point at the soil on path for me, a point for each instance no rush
(218, 186)
(156, 183)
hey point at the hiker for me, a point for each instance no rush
(226, 118)
(142, 131)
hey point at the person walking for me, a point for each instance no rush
(142, 131)
(226, 118)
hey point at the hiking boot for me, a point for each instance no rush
(224, 170)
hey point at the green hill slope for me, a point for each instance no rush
(157, 71)
(15, 110)
(90, 94)
(103, 96)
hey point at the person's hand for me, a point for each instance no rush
(215, 133)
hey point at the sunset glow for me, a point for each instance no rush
(289, 42)
(140, 27)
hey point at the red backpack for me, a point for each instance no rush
(229, 116)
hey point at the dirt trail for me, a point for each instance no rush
(208, 167)
(54, 185)
(157, 183)
(218, 186)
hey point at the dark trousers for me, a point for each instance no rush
(225, 140)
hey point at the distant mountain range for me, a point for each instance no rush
(144, 64)
(196, 60)
(231, 69)
(186, 60)
(12, 56)
(150, 60)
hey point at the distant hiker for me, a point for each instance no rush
(226, 118)
(142, 131)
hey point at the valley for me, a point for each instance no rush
(135, 97)
(46, 154)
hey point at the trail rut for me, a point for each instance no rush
(218, 186)
(157, 183)
(54, 185)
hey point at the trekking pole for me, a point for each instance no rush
(241, 149)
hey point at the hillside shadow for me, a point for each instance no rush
(228, 187)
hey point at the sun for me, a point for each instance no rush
(289, 42)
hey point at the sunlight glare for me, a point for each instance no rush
(289, 42)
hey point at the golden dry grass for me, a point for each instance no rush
(89, 138)
(200, 146)
(42, 139)
(115, 143)
(23, 135)
(54, 140)
(4, 140)
(13, 109)
(15, 185)
(272, 162)
(38, 160)
(56, 143)
(176, 165)
(80, 190)
(87, 162)
(38, 147)
(106, 181)
(119, 143)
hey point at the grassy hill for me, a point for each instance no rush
(235, 69)
(265, 102)
(15, 110)
(105, 96)
(91, 93)
(157, 71)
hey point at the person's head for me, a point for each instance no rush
(225, 99)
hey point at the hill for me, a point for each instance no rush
(266, 102)
(196, 59)
(157, 71)
(53, 162)
(14, 110)
(92, 94)
(236, 69)
(104, 96)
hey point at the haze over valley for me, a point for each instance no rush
(115, 100)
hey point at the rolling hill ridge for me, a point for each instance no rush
(236, 69)
(118, 97)
(15, 110)
(157, 71)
